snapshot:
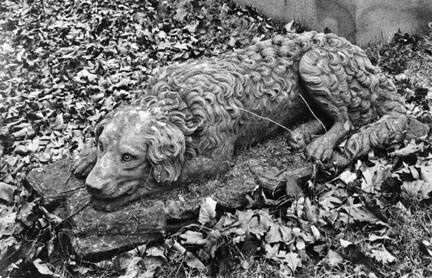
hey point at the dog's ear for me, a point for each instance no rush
(101, 125)
(165, 148)
(99, 128)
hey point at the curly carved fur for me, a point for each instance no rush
(196, 109)
(204, 99)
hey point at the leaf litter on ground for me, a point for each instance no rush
(65, 64)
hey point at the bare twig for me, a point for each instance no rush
(313, 114)
(267, 119)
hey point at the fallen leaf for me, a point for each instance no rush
(334, 258)
(358, 213)
(43, 268)
(418, 188)
(207, 212)
(316, 233)
(6, 192)
(374, 176)
(347, 177)
(193, 262)
(345, 243)
(293, 261)
(383, 256)
(191, 237)
(85, 76)
(7, 221)
(373, 237)
(25, 214)
(426, 247)
(132, 265)
(426, 173)
(410, 148)
(311, 211)
(156, 251)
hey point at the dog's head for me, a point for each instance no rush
(138, 153)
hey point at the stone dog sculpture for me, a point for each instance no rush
(192, 116)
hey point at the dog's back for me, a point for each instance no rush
(212, 94)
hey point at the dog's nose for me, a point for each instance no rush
(94, 183)
(93, 190)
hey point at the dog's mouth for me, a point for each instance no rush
(134, 192)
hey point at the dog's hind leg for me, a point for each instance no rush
(325, 81)
(390, 129)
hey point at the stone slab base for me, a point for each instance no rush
(96, 235)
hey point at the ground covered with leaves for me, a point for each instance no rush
(65, 64)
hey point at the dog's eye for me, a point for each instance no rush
(100, 146)
(127, 157)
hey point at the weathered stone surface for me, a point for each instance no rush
(96, 234)
(54, 183)
(273, 84)
(99, 234)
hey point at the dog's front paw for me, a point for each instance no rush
(296, 140)
(321, 149)
(83, 164)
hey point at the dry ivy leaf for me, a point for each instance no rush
(192, 237)
(334, 258)
(156, 251)
(383, 256)
(260, 223)
(360, 214)
(273, 235)
(329, 202)
(347, 177)
(44, 268)
(207, 212)
(238, 223)
(311, 211)
(271, 250)
(300, 244)
(345, 243)
(85, 76)
(410, 148)
(293, 261)
(426, 173)
(25, 214)
(132, 266)
(210, 246)
(279, 233)
(193, 262)
(426, 247)
(7, 221)
(292, 188)
(176, 247)
(181, 13)
(418, 188)
(81, 269)
(6, 192)
(374, 176)
(373, 237)
(316, 233)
